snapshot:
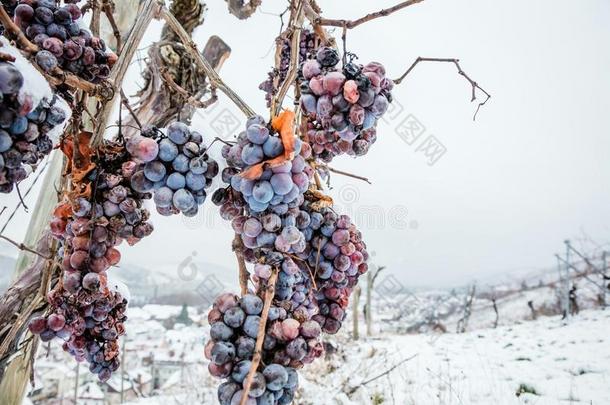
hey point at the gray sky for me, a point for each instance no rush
(530, 172)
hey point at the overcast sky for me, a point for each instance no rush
(533, 170)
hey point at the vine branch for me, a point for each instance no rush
(203, 64)
(260, 337)
(349, 24)
(294, 25)
(244, 276)
(21, 246)
(456, 62)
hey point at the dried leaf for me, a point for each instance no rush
(319, 200)
(284, 124)
(79, 160)
(63, 211)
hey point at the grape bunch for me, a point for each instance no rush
(279, 185)
(343, 104)
(277, 76)
(85, 312)
(89, 324)
(288, 344)
(339, 256)
(62, 41)
(175, 166)
(24, 128)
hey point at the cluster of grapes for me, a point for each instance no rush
(306, 303)
(343, 104)
(279, 185)
(62, 41)
(90, 326)
(24, 130)
(85, 313)
(288, 344)
(175, 166)
(277, 76)
(339, 256)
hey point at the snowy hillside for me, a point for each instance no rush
(554, 363)
(541, 362)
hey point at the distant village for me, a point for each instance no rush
(164, 354)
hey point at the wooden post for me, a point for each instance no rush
(77, 372)
(124, 348)
(356, 296)
(369, 306)
(16, 375)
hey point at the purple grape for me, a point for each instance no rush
(251, 304)
(251, 325)
(11, 80)
(223, 352)
(178, 133)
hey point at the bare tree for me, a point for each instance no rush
(462, 324)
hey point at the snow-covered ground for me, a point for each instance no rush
(561, 363)
(543, 362)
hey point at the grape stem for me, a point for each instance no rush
(456, 62)
(149, 10)
(203, 64)
(108, 7)
(238, 248)
(355, 176)
(125, 102)
(312, 12)
(294, 25)
(349, 24)
(256, 359)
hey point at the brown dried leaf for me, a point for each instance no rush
(284, 124)
(63, 211)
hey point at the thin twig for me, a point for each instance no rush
(388, 371)
(125, 102)
(295, 24)
(456, 62)
(349, 24)
(108, 6)
(355, 176)
(10, 217)
(25, 207)
(260, 338)
(21, 246)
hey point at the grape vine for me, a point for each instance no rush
(305, 257)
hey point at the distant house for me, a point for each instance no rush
(136, 384)
(90, 394)
(183, 317)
